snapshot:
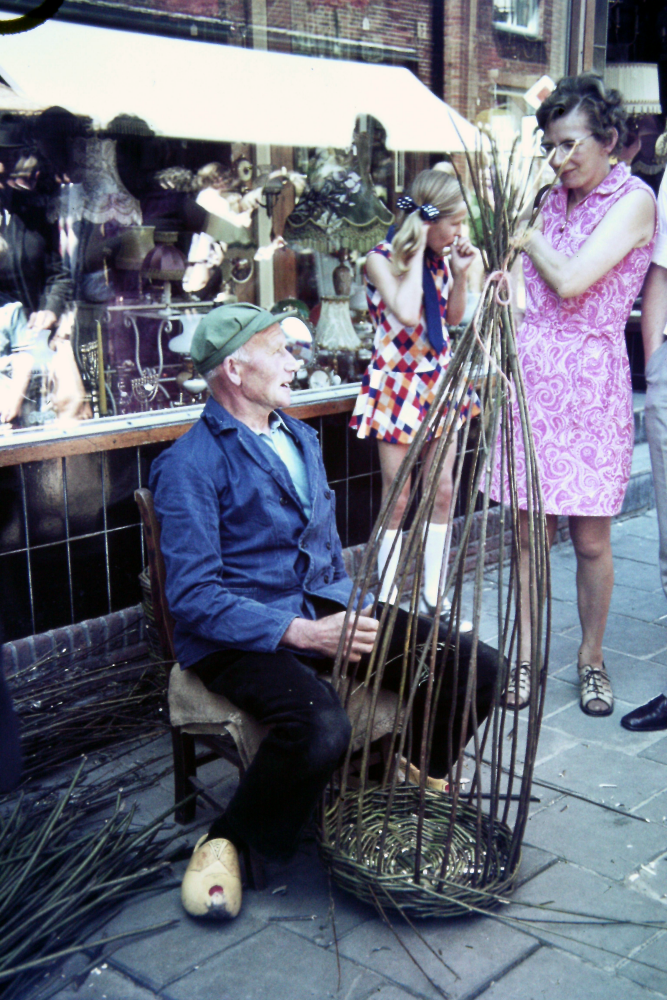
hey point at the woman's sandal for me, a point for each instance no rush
(518, 687)
(596, 694)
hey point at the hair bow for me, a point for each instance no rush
(429, 213)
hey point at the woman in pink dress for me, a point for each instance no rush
(584, 265)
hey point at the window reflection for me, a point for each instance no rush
(113, 243)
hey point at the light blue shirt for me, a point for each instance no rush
(282, 441)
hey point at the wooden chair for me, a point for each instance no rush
(196, 714)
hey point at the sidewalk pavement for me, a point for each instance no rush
(577, 856)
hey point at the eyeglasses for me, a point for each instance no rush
(568, 146)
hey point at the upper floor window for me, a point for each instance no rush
(520, 16)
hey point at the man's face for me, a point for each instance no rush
(266, 375)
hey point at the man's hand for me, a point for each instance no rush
(45, 319)
(323, 635)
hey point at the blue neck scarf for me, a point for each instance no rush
(431, 304)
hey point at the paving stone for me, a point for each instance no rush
(649, 964)
(304, 905)
(559, 696)
(636, 549)
(533, 861)
(655, 810)
(105, 983)
(631, 573)
(563, 584)
(658, 751)
(157, 959)
(587, 769)
(564, 615)
(551, 974)
(275, 963)
(631, 603)
(629, 635)
(618, 846)
(605, 731)
(475, 949)
(643, 525)
(588, 900)
(391, 992)
(65, 976)
(563, 651)
(551, 741)
(650, 880)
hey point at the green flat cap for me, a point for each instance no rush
(225, 329)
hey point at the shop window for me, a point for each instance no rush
(133, 236)
(519, 16)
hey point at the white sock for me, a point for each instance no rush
(388, 592)
(434, 550)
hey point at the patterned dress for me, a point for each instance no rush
(575, 366)
(404, 372)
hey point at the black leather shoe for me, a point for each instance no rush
(648, 718)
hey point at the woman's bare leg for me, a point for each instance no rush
(591, 537)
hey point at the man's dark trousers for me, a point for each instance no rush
(310, 731)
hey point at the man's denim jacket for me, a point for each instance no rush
(242, 558)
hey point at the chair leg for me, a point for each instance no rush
(254, 869)
(185, 768)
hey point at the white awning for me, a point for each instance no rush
(199, 90)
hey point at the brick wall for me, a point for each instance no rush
(477, 55)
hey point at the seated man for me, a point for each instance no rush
(257, 587)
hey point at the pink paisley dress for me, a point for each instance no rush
(575, 366)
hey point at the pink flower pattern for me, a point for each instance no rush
(575, 366)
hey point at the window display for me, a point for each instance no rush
(114, 243)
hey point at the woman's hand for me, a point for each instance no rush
(462, 256)
(629, 223)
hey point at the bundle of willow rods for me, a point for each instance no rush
(70, 703)
(63, 873)
(485, 359)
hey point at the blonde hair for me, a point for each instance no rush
(430, 187)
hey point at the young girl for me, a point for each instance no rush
(412, 294)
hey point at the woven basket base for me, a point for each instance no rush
(472, 878)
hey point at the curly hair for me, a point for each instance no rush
(603, 108)
(430, 187)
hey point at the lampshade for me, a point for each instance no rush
(164, 262)
(638, 83)
(181, 343)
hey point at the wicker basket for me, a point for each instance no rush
(388, 879)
